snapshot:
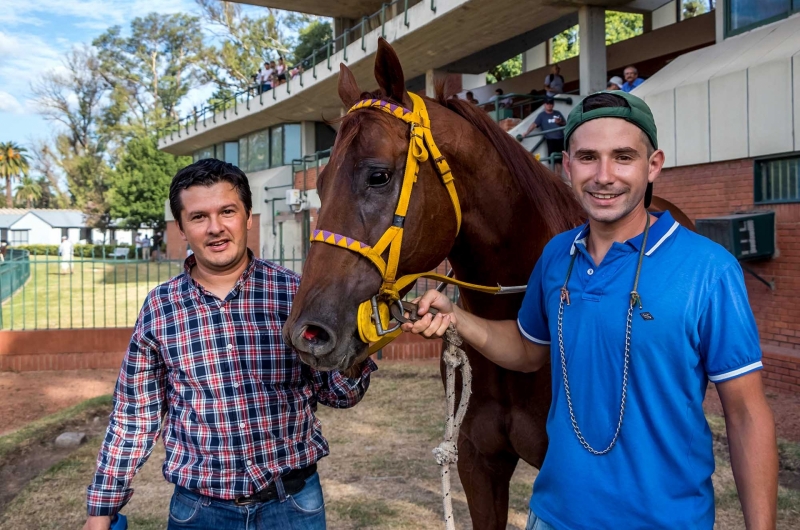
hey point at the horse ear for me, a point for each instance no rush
(389, 72)
(349, 92)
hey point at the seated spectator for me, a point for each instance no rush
(554, 82)
(471, 98)
(500, 100)
(615, 83)
(547, 120)
(632, 79)
(280, 71)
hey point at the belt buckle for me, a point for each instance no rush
(243, 501)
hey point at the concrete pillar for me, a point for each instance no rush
(470, 81)
(665, 15)
(719, 19)
(592, 59)
(534, 58)
(431, 77)
(340, 25)
(647, 22)
(308, 137)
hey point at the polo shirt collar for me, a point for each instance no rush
(660, 232)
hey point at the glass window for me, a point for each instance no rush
(747, 14)
(242, 163)
(276, 146)
(200, 154)
(231, 153)
(258, 151)
(292, 146)
(19, 237)
(777, 180)
(219, 151)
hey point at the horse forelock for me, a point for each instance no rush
(551, 197)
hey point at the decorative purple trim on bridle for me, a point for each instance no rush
(378, 103)
(324, 235)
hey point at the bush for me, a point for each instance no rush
(79, 251)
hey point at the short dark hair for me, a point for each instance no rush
(603, 100)
(469, 94)
(207, 172)
(499, 91)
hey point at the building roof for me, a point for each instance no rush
(62, 218)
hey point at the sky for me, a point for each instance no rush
(35, 35)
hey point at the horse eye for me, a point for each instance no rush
(379, 179)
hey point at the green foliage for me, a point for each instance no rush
(13, 164)
(140, 183)
(28, 192)
(619, 27)
(312, 37)
(79, 251)
(693, 8)
(510, 68)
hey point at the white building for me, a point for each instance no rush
(20, 226)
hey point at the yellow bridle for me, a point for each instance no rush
(373, 314)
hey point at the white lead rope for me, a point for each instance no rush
(447, 451)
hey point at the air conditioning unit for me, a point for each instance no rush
(294, 198)
(745, 235)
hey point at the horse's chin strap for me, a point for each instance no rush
(373, 314)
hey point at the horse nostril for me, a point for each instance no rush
(315, 335)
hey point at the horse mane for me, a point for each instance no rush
(551, 197)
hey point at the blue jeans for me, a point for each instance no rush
(302, 511)
(534, 523)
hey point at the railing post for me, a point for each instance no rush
(383, 20)
(330, 43)
(248, 100)
(344, 45)
(363, 33)
(405, 13)
(314, 63)
(433, 6)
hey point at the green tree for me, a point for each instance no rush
(28, 192)
(150, 71)
(619, 27)
(693, 8)
(504, 70)
(312, 37)
(139, 184)
(13, 164)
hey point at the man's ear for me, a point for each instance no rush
(249, 220)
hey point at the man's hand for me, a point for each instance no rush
(98, 522)
(432, 327)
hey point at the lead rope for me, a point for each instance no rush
(446, 453)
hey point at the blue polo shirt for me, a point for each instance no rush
(696, 325)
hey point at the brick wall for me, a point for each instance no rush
(722, 188)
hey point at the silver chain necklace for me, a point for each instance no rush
(635, 300)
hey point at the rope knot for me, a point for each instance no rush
(446, 453)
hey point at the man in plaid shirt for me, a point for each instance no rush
(207, 365)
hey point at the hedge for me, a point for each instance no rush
(79, 251)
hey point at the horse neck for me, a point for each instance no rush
(502, 235)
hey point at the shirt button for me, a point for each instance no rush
(249, 462)
(236, 385)
(590, 272)
(241, 425)
(230, 347)
(222, 308)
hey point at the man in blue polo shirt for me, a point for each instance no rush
(641, 314)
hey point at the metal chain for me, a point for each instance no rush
(572, 418)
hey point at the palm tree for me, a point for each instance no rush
(13, 163)
(28, 191)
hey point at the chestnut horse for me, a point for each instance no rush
(511, 207)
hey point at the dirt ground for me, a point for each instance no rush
(28, 396)
(380, 474)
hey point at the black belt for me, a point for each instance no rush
(293, 482)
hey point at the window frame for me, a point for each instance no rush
(12, 240)
(758, 176)
(730, 32)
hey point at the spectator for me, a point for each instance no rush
(157, 240)
(138, 245)
(554, 82)
(615, 83)
(500, 100)
(471, 98)
(632, 79)
(146, 243)
(280, 71)
(265, 77)
(547, 120)
(65, 255)
(3, 250)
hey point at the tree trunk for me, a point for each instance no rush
(9, 201)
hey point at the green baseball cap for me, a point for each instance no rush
(636, 112)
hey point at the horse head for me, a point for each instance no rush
(359, 190)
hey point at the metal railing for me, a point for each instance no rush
(319, 58)
(15, 269)
(82, 292)
(526, 103)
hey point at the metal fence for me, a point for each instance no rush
(82, 293)
(15, 269)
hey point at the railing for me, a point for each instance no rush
(82, 292)
(15, 269)
(518, 101)
(306, 66)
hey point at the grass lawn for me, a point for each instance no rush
(98, 293)
(380, 475)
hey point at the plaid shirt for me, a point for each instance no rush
(239, 403)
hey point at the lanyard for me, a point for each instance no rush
(635, 300)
